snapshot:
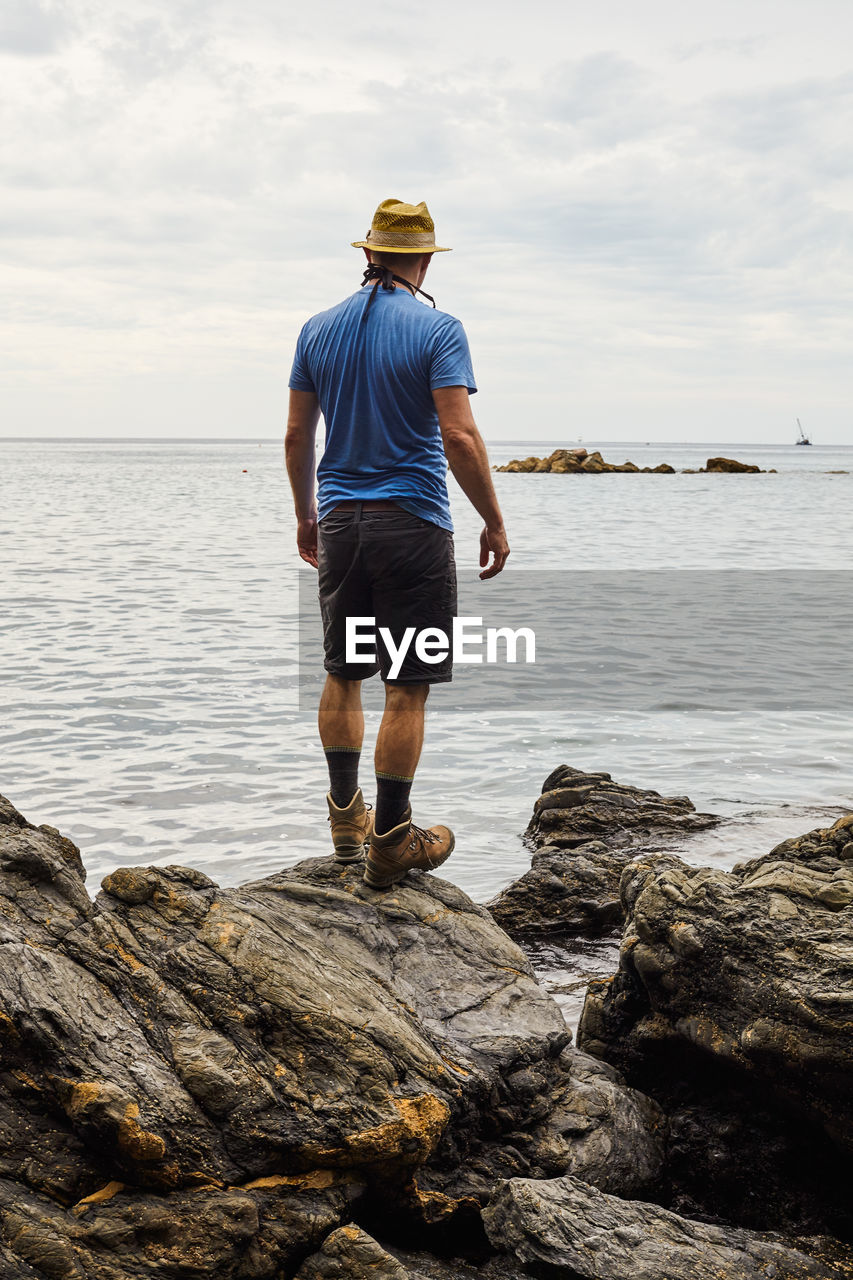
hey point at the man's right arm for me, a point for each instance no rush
(302, 419)
(467, 458)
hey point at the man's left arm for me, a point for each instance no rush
(299, 455)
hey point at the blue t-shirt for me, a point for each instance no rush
(374, 381)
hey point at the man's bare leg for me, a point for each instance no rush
(398, 750)
(341, 723)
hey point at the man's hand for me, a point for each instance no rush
(306, 540)
(493, 541)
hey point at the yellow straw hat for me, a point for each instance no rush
(401, 228)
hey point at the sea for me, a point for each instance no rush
(155, 706)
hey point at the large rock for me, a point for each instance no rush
(563, 461)
(560, 461)
(753, 967)
(587, 828)
(233, 1233)
(572, 461)
(731, 465)
(566, 461)
(521, 464)
(274, 1052)
(731, 1006)
(565, 1228)
(576, 806)
(565, 894)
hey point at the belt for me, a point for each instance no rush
(368, 504)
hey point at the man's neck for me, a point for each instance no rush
(412, 284)
(407, 285)
(408, 282)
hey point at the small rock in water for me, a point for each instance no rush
(586, 829)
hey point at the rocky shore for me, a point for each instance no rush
(300, 1077)
(581, 462)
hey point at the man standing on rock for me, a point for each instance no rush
(392, 379)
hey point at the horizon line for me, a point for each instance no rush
(513, 441)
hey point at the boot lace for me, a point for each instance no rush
(418, 833)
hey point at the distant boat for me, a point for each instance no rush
(803, 437)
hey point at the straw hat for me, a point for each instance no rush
(401, 228)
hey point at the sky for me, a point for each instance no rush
(650, 207)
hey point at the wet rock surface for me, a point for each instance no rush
(198, 1080)
(565, 967)
(568, 1229)
(585, 829)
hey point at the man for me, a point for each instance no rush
(392, 379)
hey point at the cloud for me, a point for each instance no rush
(744, 47)
(181, 185)
(32, 29)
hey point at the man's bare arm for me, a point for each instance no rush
(299, 455)
(469, 462)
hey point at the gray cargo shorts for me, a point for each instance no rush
(384, 563)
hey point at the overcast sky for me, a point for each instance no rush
(650, 205)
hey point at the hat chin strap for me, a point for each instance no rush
(385, 277)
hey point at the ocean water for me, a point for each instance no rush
(150, 665)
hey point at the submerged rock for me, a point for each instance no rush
(193, 1077)
(587, 828)
(565, 1228)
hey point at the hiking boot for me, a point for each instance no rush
(352, 828)
(404, 847)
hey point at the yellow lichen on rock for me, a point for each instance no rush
(136, 1142)
(83, 1094)
(316, 1180)
(7, 1027)
(98, 1197)
(410, 1139)
(437, 1207)
(125, 955)
(425, 1117)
